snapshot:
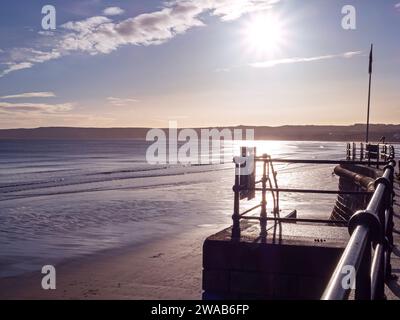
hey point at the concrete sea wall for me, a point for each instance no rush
(353, 178)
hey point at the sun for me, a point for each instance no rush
(264, 34)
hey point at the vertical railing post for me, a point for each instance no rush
(362, 151)
(348, 152)
(379, 294)
(354, 151)
(277, 204)
(368, 154)
(363, 277)
(389, 243)
(263, 214)
(378, 156)
(386, 152)
(236, 214)
(389, 224)
(399, 168)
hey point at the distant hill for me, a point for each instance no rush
(306, 133)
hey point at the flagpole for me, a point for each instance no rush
(369, 90)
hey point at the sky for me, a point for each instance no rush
(197, 62)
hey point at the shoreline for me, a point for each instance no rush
(166, 269)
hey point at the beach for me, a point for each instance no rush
(116, 227)
(166, 269)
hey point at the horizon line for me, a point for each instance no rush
(207, 127)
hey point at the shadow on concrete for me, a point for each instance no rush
(394, 287)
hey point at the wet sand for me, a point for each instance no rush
(166, 269)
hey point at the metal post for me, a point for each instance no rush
(378, 156)
(386, 152)
(399, 168)
(389, 244)
(369, 91)
(378, 273)
(389, 225)
(379, 257)
(369, 154)
(363, 277)
(348, 152)
(362, 151)
(263, 214)
(236, 214)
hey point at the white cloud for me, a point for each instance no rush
(25, 58)
(100, 34)
(113, 11)
(35, 107)
(119, 102)
(30, 95)
(14, 67)
(273, 63)
(234, 9)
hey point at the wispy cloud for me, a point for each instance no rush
(119, 102)
(29, 107)
(30, 95)
(35, 107)
(15, 67)
(397, 6)
(100, 34)
(113, 11)
(25, 58)
(229, 10)
(273, 63)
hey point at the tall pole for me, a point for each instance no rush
(369, 90)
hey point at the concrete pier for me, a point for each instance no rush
(294, 261)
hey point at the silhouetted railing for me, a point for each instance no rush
(375, 154)
(246, 185)
(370, 246)
(365, 263)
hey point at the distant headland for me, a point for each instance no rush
(354, 132)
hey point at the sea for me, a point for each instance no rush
(63, 199)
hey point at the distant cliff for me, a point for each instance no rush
(306, 133)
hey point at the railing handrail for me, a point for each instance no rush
(268, 171)
(314, 161)
(371, 226)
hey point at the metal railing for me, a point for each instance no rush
(369, 249)
(365, 263)
(374, 154)
(269, 183)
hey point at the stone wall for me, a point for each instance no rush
(353, 178)
(295, 262)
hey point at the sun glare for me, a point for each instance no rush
(264, 34)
